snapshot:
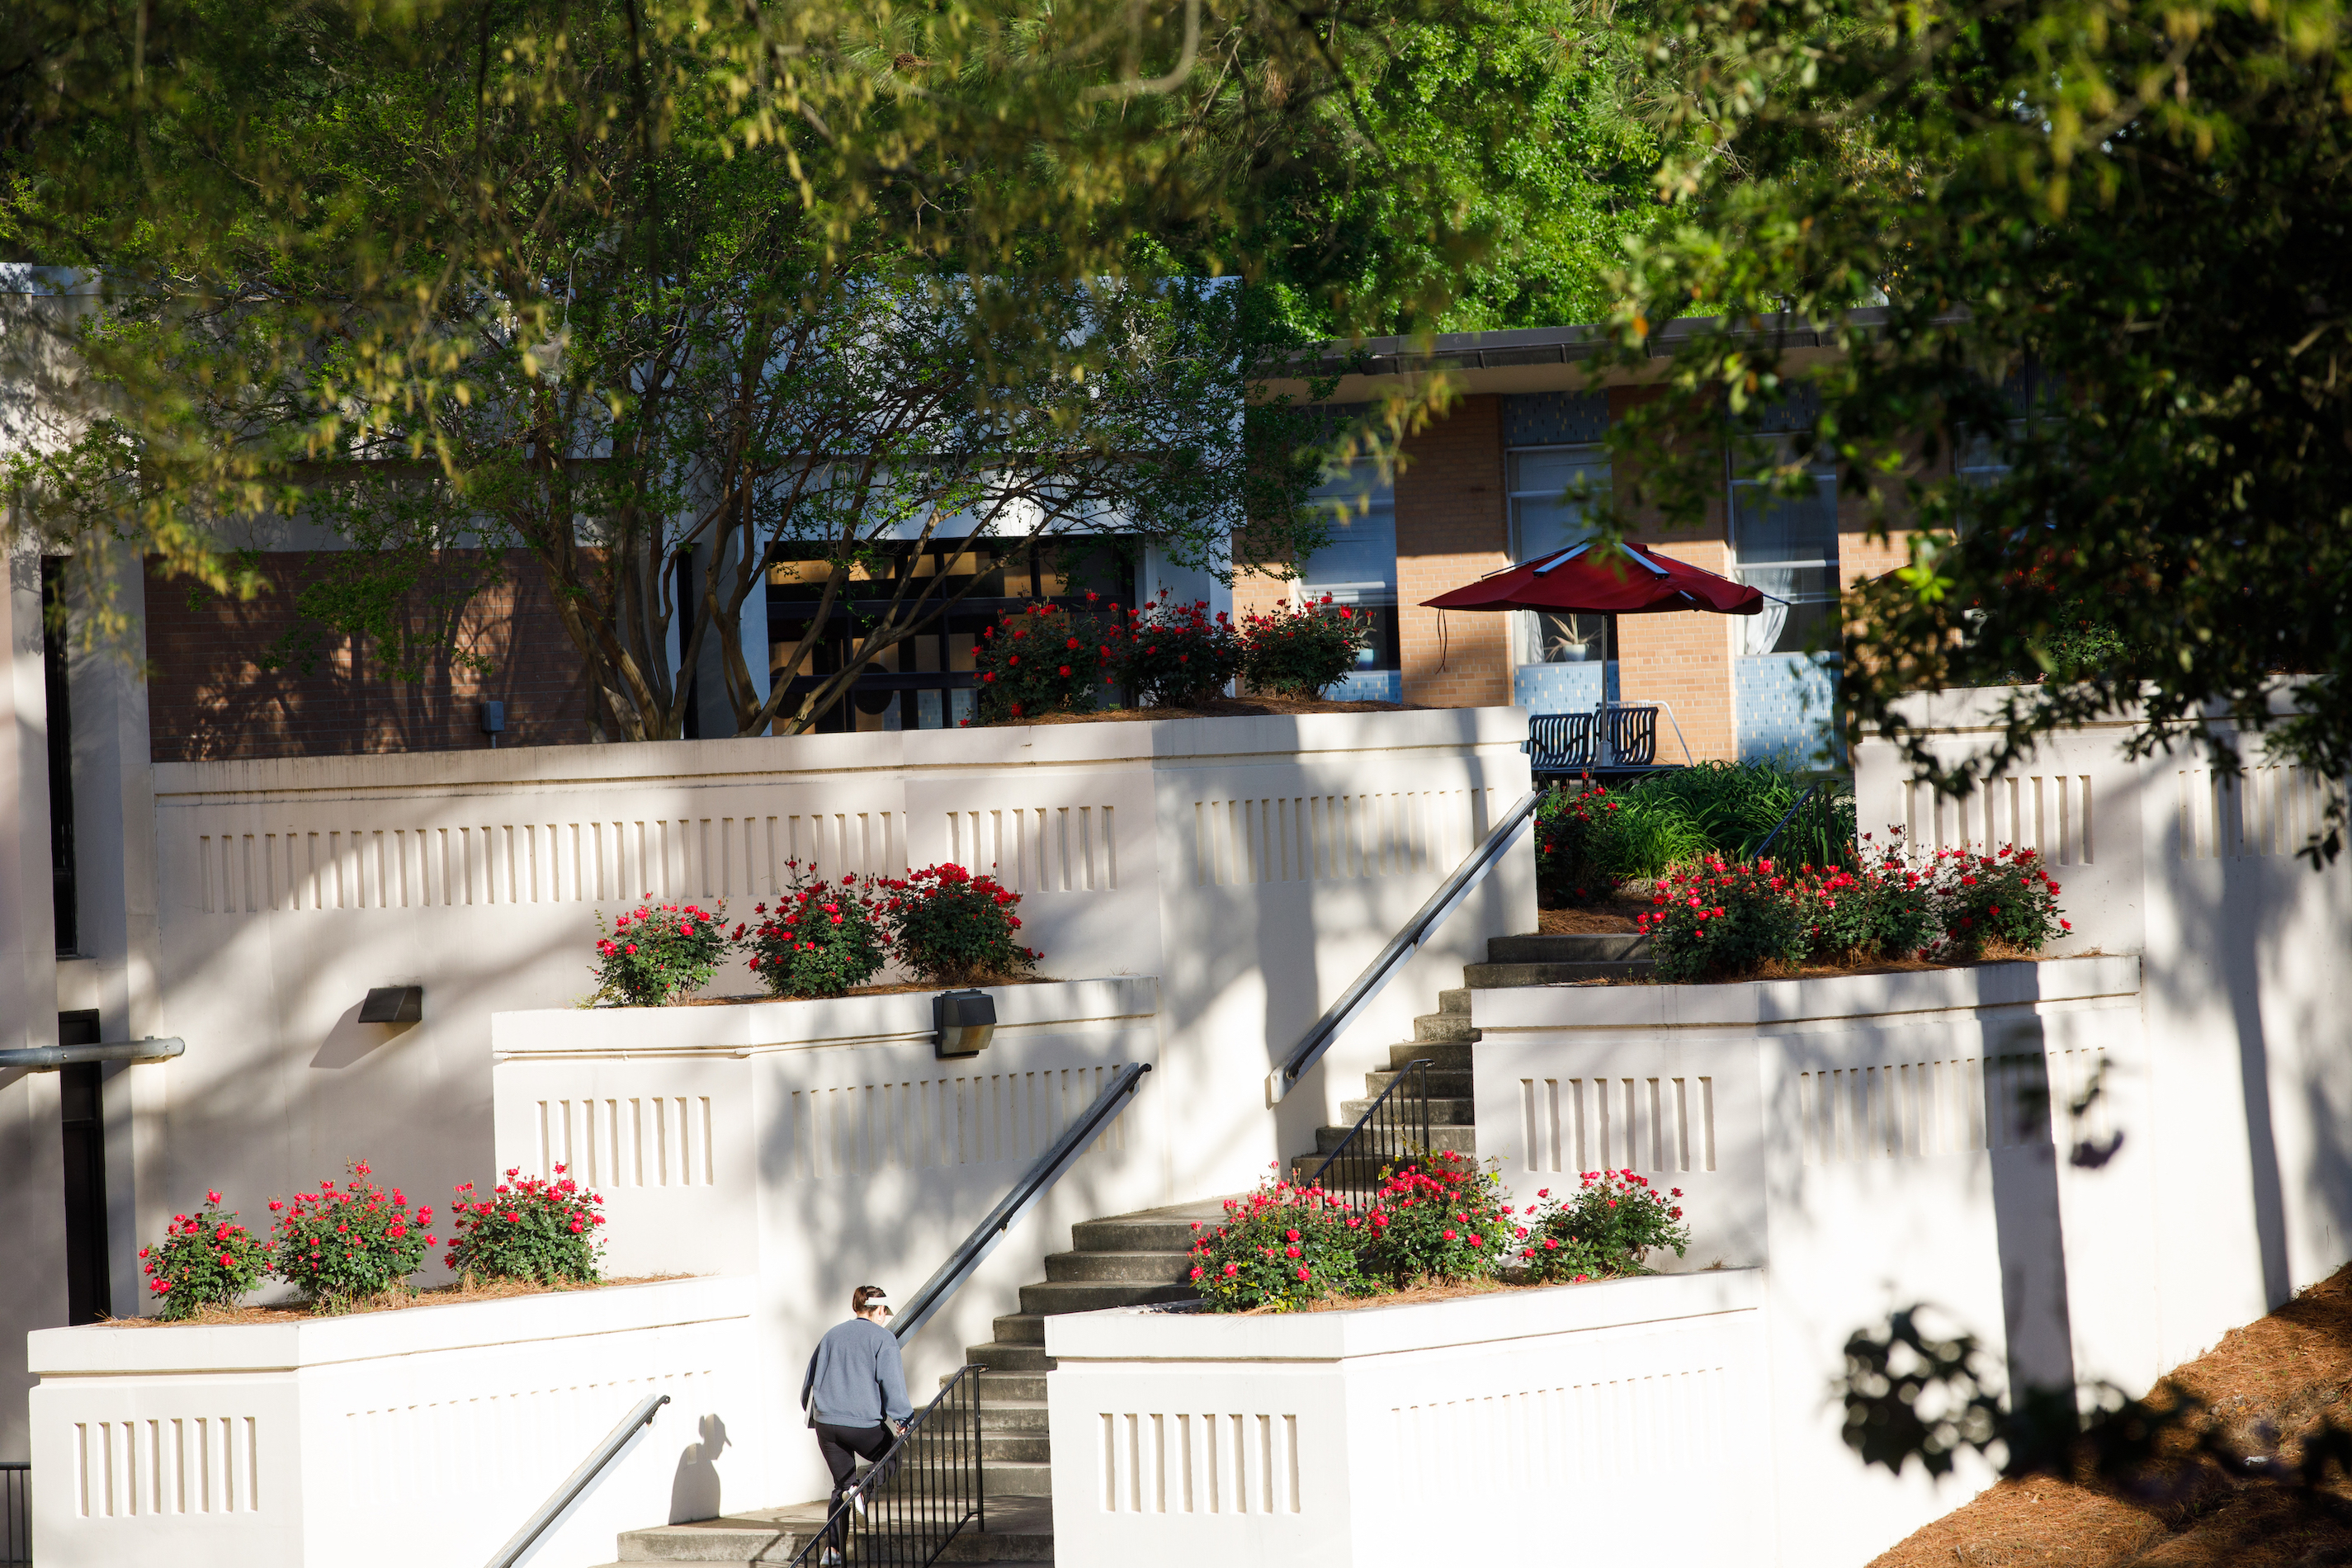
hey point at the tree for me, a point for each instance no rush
(2110, 238)
(625, 283)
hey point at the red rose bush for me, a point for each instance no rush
(1283, 1246)
(659, 951)
(205, 1260)
(1604, 1229)
(348, 1243)
(1298, 651)
(527, 1229)
(952, 928)
(820, 937)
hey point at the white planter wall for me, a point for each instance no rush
(820, 1146)
(1874, 1144)
(386, 1440)
(1622, 1421)
(2248, 999)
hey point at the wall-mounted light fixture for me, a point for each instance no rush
(394, 1004)
(965, 1021)
(494, 722)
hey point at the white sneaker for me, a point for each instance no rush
(857, 1501)
(830, 1559)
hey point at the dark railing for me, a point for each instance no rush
(920, 1495)
(1392, 1130)
(15, 1512)
(1017, 1202)
(1817, 828)
(1402, 946)
(578, 1481)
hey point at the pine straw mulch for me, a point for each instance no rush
(897, 988)
(1612, 918)
(2243, 1480)
(449, 1295)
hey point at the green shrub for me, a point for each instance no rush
(1605, 1228)
(1299, 652)
(1882, 910)
(205, 1260)
(1439, 1218)
(1728, 809)
(1177, 656)
(822, 937)
(527, 1229)
(1046, 659)
(658, 952)
(952, 928)
(1283, 1246)
(344, 1245)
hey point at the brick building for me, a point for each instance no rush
(1483, 486)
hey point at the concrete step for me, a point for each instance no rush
(1602, 947)
(1442, 1112)
(1445, 1026)
(1018, 1447)
(1445, 1083)
(1009, 1356)
(1021, 1328)
(762, 1536)
(1460, 1137)
(1014, 1415)
(1450, 1056)
(1504, 976)
(1013, 1387)
(1456, 1000)
(1153, 1230)
(1131, 1268)
(1088, 1296)
(1011, 1478)
(1019, 1535)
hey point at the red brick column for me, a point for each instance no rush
(1452, 527)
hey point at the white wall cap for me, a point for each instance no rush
(97, 1349)
(1160, 742)
(746, 1028)
(1755, 1002)
(1141, 1334)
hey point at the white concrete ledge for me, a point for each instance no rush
(1141, 1334)
(749, 1028)
(1766, 1001)
(98, 1350)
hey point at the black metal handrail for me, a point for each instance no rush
(918, 1495)
(1402, 946)
(578, 1480)
(1050, 1165)
(1394, 1127)
(1785, 817)
(15, 1512)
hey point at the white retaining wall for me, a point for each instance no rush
(1873, 1142)
(820, 1146)
(1528, 1425)
(391, 1439)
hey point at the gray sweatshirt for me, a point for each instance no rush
(855, 1379)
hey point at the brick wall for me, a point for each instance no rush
(208, 696)
(1451, 529)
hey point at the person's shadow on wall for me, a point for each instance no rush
(695, 1493)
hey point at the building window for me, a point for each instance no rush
(1549, 488)
(1787, 546)
(1358, 566)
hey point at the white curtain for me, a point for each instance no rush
(1764, 627)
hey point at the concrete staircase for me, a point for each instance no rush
(1445, 1038)
(1140, 1260)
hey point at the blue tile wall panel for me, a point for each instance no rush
(1554, 418)
(1785, 705)
(1368, 686)
(1561, 687)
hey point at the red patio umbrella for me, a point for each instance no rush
(1591, 580)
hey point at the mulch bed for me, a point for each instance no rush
(392, 1302)
(899, 989)
(2266, 1392)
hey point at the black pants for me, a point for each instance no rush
(843, 1446)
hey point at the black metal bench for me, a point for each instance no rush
(1565, 744)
